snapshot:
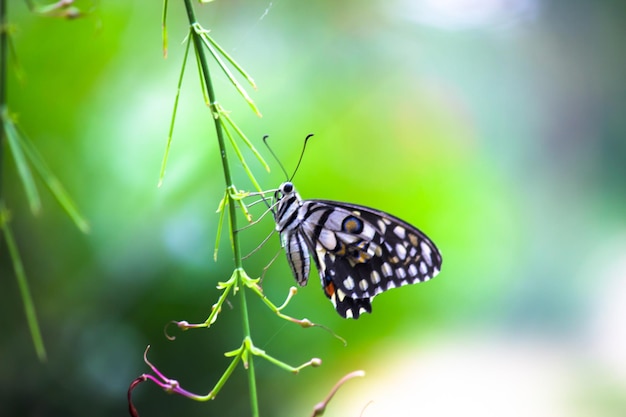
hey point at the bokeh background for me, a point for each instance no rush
(497, 127)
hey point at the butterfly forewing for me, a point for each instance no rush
(358, 251)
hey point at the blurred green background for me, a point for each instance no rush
(497, 127)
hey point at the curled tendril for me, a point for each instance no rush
(167, 384)
(320, 407)
(166, 334)
(131, 407)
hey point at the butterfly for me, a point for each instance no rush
(359, 251)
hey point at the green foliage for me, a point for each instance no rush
(25, 156)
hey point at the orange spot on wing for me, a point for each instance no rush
(329, 289)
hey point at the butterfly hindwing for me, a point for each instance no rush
(358, 251)
(363, 252)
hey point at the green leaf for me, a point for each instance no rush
(23, 169)
(164, 28)
(246, 140)
(230, 59)
(53, 183)
(242, 160)
(20, 275)
(209, 43)
(171, 131)
(221, 210)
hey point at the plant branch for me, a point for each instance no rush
(320, 407)
(20, 274)
(3, 78)
(202, 60)
(8, 134)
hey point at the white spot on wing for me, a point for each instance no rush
(426, 252)
(348, 283)
(387, 271)
(328, 239)
(368, 232)
(400, 273)
(401, 251)
(375, 277)
(423, 268)
(349, 314)
(364, 285)
(347, 238)
(412, 270)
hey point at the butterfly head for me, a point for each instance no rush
(287, 194)
(288, 203)
(285, 190)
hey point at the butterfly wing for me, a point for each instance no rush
(361, 252)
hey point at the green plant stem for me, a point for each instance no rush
(254, 403)
(3, 79)
(20, 274)
(14, 255)
(198, 45)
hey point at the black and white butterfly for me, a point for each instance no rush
(358, 251)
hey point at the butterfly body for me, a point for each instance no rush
(358, 251)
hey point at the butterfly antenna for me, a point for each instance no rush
(274, 155)
(301, 154)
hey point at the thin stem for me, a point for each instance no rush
(3, 51)
(164, 28)
(3, 78)
(7, 125)
(200, 53)
(197, 43)
(320, 408)
(170, 134)
(254, 403)
(20, 274)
